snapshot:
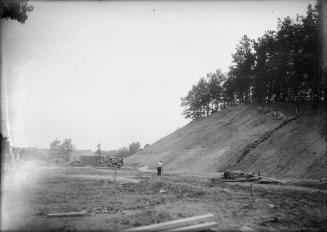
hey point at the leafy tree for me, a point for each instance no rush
(98, 151)
(61, 151)
(67, 148)
(55, 147)
(197, 101)
(203, 96)
(192, 104)
(15, 10)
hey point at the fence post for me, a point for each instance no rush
(115, 174)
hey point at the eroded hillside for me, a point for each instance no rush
(249, 138)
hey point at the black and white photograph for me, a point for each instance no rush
(162, 115)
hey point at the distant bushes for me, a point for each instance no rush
(132, 149)
(281, 66)
(60, 151)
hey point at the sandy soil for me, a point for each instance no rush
(139, 198)
(246, 139)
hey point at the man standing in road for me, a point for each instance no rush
(159, 168)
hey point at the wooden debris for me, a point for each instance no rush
(244, 179)
(237, 176)
(68, 214)
(172, 225)
(197, 227)
(273, 180)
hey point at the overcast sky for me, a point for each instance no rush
(114, 72)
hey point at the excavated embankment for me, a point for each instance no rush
(271, 140)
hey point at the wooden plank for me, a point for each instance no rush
(171, 224)
(69, 214)
(243, 179)
(268, 178)
(273, 179)
(197, 227)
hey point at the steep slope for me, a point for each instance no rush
(246, 138)
(295, 150)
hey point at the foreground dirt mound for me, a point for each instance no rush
(273, 141)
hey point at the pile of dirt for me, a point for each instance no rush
(250, 138)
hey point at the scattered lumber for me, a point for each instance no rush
(174, 225)
(197, 227)
(68, 214)
(237, 176)
(245, 179)
(272, 180)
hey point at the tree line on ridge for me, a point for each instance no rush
(283, 65)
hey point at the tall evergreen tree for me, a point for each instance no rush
(281, 66)
(243, 65)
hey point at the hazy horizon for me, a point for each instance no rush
(114, 72)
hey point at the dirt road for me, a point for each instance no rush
(139, 198)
